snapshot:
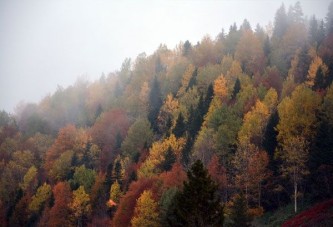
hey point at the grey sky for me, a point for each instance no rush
(46, 43)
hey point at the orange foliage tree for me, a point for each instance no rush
(127, 203)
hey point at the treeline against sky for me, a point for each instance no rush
(254, 105)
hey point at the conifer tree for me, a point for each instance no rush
(198, 204)
(193, 79)
(169, 160)
(237, 88)
(179, 129)
(155, 103)
(208, 98)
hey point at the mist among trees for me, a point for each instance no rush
(235, 130)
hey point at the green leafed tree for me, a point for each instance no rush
(138, 135)
(84, 177)
(62, 166)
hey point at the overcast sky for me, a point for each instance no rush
(45, 43)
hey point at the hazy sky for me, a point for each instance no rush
(46, 43)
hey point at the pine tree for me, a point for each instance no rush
(169, 160)
(187, 47)
(208, 98)
(193, 79)
(237, 88)
(180, 126)
(320, 81)
(196, 118)
(116, 172)
(198, 204)
(329, 19)
(155, 103)
(280, 23)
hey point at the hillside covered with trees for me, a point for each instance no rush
(226, 131)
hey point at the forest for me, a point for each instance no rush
(235, 130)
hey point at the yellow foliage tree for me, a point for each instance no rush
(220, 87)
(145, 213)
(271, 100)
(80, 205)
(298, 114)
(169, 111)
(157, 154)
(294, 62)
(254, 123)
(312, 72)
(186, 79)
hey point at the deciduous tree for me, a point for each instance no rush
(60, 212)
(145, 212)
(80, 206)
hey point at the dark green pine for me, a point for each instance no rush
(198, 204)
(180, 126)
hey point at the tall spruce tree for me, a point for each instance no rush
(180, 126)
(280, 23)
(193, 80)
(237, 88)
(155, 103)
(198, 204)
(169, 160)
(208, 98)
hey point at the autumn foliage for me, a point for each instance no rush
(250, 110)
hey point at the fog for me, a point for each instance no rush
(44, 44)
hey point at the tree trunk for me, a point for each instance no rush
(259, 194)
(247, 202)
(295, 195)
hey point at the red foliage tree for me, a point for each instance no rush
(272, 79)
(111, 127)
(20, 216)
(60, 211)
(218, 173)
(174, 178)
(65, 141)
